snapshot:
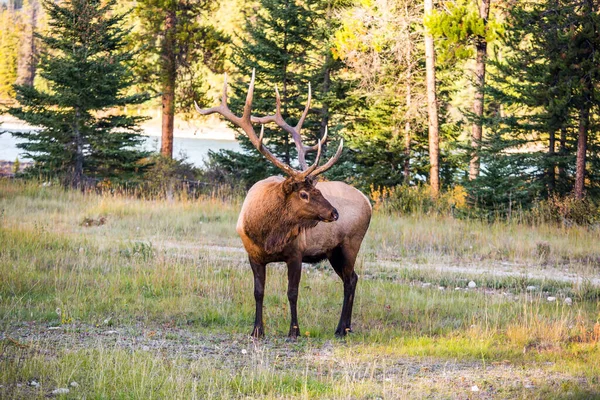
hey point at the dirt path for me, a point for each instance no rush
(474, 270)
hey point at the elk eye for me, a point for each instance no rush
(304, 195)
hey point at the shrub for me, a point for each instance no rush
(567, 211)
(418, 200)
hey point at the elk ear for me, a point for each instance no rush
(311, 180)
(288, 186)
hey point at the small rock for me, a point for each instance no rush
(34, 383)
(441, 288)
(474, 388)
(551, 298)
(60, 391)
(244, 351)
(426, 284)
(74, 384)
(568, 301)
(530, 288)
(54, 328)
(472, 285)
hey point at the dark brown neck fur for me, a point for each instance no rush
(271, 225)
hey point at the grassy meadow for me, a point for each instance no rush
(119, 298)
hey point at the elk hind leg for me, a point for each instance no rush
(343, 264)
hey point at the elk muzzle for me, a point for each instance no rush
(332, 217)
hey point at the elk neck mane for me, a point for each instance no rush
(269, 223)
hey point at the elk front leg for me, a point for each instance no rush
(294, 275)
(343, 264)
(259, 271)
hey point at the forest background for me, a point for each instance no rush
(485, 108)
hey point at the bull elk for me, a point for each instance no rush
(297, 219)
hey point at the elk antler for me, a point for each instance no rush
(277, 118)
(294, 131)
(245, 122)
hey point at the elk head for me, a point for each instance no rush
(301, 197)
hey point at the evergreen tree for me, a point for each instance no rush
(176, 40)
(545, 83)
(286, 43)
(382, 43)
(87, 71)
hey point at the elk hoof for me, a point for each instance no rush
(258, 332)
(342, 331)
(294, 332)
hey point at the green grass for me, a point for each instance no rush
(157, 303)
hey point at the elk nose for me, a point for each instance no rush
(334, 215)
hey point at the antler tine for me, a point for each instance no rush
(323, 139)
(331, 161)
(314, 165)
(262, 134)
(277, 118)
(245, 122)
(305, 112)
(248, 105)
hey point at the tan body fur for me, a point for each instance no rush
(258, 213)
(265, 211)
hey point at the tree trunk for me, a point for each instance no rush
(77, 177)
(169, 75)
(584, 120)
(551, 171)
(562, 151)
(432, 107)
(325, 108)
(27, 62)
(408, 116)
(477, 129)
(326, 86)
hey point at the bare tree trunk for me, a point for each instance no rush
(407, 134)
(408, 116)
(27, 62)
(477, 129)
(169, 75)
(584, 120)
(434, 136)
(562, 151)
(551, 172)
(325, 108)
(77, 177)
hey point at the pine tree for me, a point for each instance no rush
(545, 82)
(177, 36)
(87, 70)
(286, 43)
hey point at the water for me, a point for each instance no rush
(194, 149)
